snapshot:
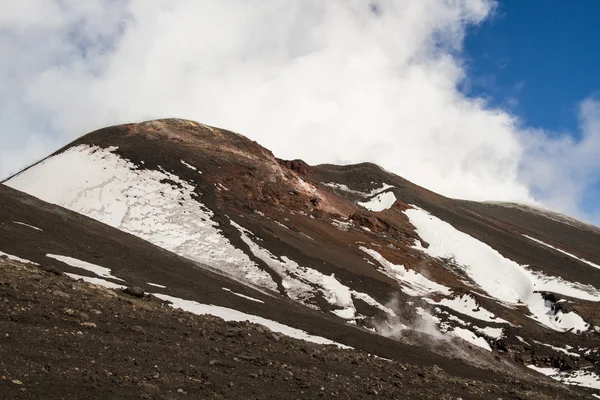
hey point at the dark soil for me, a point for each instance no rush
(65, 339)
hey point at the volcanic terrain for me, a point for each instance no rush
(436, 297)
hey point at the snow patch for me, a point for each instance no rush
(342, 187)
(494, 333)
(96, 281)
(156, 206)
(96, 269)
(580, 378)
(19, 259)
(542, 311)
(470, 337)
(467, 305)
(229, 314)
(27, 225)
(413, 283)
(380, 202)
(156, 285)
(372, 302)
(189, 166)
(559, 349)
(522, 340)
(500, 277)
(242, 295)
(345, 188)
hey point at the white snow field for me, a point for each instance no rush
(498, 276)
(229, 314)
(98, 183)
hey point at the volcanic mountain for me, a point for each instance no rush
(351, 255)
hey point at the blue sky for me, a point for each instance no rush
(538, 59)
(543, 54)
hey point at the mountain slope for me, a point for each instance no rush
(354, 241)
(66, 339)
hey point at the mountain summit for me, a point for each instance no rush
(348, 254)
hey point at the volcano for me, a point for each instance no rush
(352, 258)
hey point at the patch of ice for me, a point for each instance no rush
(96, 281)
(242, 295)
(413, 283)
(156, 285)
(380, 202)
(157, 206)
(27, 225)
(19, 259)
(500, 277)
(96, 269)
(564, 252)
(229, 314)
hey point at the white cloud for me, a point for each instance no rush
(323, 81)
(561, 170)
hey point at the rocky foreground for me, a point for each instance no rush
(61, 338)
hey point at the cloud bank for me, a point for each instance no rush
(341, 81)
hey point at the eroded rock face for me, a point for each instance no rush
(297, 166)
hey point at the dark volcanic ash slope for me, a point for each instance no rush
(356, 241)
(65, 339)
